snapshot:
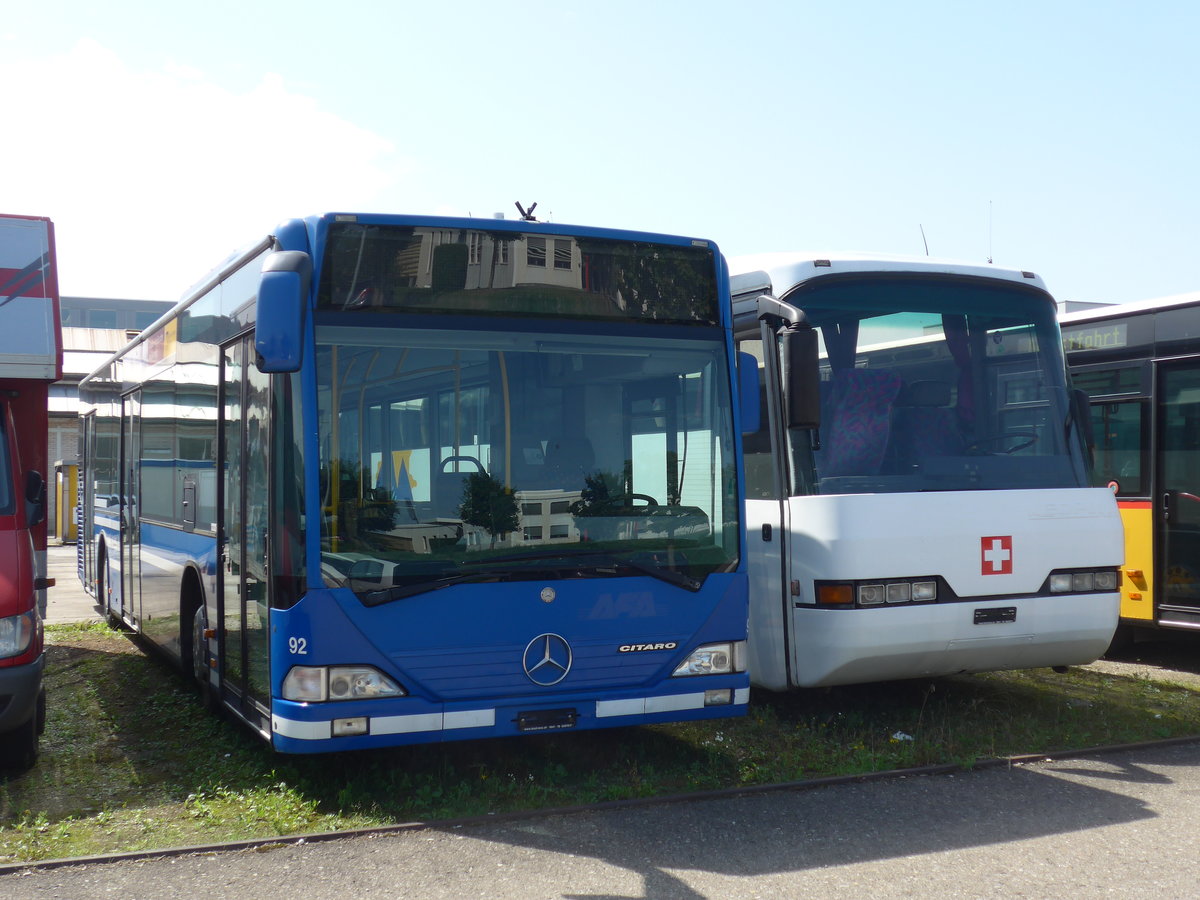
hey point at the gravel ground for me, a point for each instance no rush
(1172, 657)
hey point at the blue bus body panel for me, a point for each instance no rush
(465, 671)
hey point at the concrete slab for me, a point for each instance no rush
(67, 601)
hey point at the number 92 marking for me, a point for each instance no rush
(298, 646)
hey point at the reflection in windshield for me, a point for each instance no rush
(451, 456)
(933, 386)
(510, 273)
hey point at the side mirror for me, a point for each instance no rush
(748, 393)
(800, 374)
(35, 498)
(279, 322)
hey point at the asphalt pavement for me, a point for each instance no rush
(1113, 825)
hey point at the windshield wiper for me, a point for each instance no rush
(670, 576)
(400, 591)
(600, 561)
(560, 565)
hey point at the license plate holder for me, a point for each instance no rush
(547, 719)
(996, 615)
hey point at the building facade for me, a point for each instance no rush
(92, 330)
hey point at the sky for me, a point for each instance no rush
(1052, 136)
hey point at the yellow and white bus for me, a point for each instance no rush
(1140, 365)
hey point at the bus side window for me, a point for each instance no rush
(1119, 429)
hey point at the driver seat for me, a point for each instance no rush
(925, 424)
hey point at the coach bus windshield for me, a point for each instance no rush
(935, 385)
(494, 445)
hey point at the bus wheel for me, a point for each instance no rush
(102, 598)
(200, 658)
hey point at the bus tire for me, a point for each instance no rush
(200, 664)
(102, 598)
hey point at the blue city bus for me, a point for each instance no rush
(383, 480)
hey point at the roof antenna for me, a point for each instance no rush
(922, 227)
(526, 214)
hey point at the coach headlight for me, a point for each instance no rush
(1085, 581)
(317, 684)
(714, 659)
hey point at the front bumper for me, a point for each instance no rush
(19, 690)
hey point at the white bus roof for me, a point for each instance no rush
(1131, 308)
(780, 272)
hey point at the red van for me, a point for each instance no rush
(30, 361)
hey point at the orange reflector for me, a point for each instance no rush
(836, 594)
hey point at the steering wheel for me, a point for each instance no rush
(1026, 438)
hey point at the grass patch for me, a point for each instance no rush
(131, 762)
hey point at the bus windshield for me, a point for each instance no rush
(935, 385)
(507, 273)
(462, 454)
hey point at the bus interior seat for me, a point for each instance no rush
(855, 440)
(925, 423)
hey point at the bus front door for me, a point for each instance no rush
(1178, 493)
(131, 526)
(242, 591)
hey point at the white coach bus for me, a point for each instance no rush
(926, 509)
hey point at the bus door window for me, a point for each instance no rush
(1179, 486)
(131, 523)
(756, 447)
(257, 480)
(245, 507)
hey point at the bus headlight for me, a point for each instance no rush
(1085, 582)
(714, 659)
(16, 634)
(864, 594)
(317, 684)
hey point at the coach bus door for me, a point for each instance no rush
(242, 595)
(768, 540)
(131, 488)
(1178, 492)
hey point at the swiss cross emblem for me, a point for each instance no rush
(996, 555)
